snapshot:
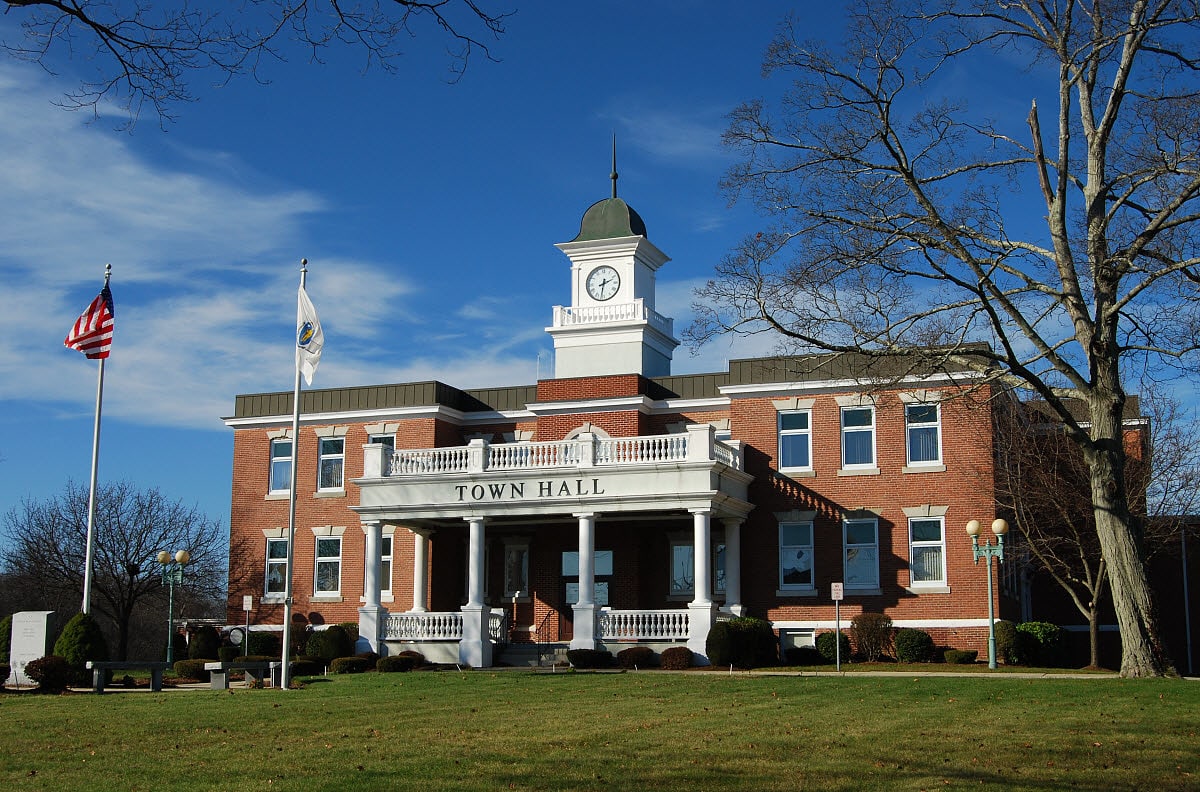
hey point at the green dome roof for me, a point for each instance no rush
(611, 218)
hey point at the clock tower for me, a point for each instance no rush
(611, 326)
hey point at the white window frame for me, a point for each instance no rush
(915, 545)
(285, 462)
(716, 572)
(274, 561)
(856, 430)
(793, 547)
(935, 424)
(387, 547)
(851, 551)
(330, 457)
(805, 433)
(326, 559)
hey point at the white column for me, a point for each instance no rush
(420, 597)
(733, 567)
(372, 614)
(475, 648)
(701, 612)
(585, 610)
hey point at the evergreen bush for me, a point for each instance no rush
(395, 663)
(872, 635)
(827, 644)
(52, 673)
(744, 642)
(227, 654)
(913, 646)
(371, 657)
(192, 669)
(1006, 642)
(590, 658)
(803, 656)
(204, 643)
(265, 643)
(80, 641)
(351, 629)
(417, 657)
(328, 644)
(961, 656)
(5, 671)
(308, 666)
(677, 658)
(636, 657)
(348, 665)
(1040, 644)
(5, 637)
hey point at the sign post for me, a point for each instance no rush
(247, 606)
(836, 592)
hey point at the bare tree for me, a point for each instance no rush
(46, 543)
(901, 227)
(145, 51)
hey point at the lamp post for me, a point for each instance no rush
(989, 551)
(172, 575)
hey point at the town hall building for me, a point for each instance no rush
(615, 504)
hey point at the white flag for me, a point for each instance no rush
(310, 339)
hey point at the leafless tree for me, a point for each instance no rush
(900, 225)
(144, 52)
(46, 540)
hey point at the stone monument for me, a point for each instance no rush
(31, 634)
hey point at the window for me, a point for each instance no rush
(281, 465)
(923, 422)
(516, 571)
(795, 556)
(385, 565)
(276, 581)
(388, 440)
(330, 464)
(329, 565)
(683, 568)
(862, 553)
(795, 441)
(858, 437)
(927, 551)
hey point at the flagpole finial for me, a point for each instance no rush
(107, 273)
(303, 263)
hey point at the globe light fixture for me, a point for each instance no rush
(172, 575)
(988, 551)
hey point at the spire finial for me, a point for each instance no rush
(613, 176)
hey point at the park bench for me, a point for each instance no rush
(100, 669)
(218, 673)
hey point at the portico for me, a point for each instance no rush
(630, 490)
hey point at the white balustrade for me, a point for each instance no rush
(648, 449)
(429, 460)
(439, 626)
(643, 625)
(572, 316)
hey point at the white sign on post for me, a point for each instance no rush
(248, 603)
(837, 592)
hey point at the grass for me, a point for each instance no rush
(482, 730)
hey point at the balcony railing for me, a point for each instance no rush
(576, 315)
(642, 625)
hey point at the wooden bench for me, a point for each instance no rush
(218, 673)
(100, 669)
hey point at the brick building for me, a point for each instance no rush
(615, 503)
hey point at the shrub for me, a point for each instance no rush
(961, 656)
(227, 654)
(371, 657)
(328, 644)
(827, 645)
(744, 642)
(348, 665)
(351, 629)
(913, 646)
(5, 670)
(872, 635)
(803, 656)
(590, 658)
(265, 643)
(1040, 644)
(1006, 642)
(5, 636)
(308, 666)
(636, 657)
(80, 641)
(418, 658)
(676, 658)
(395, 663)
(52, 673)
(204, 643)
(191, 669)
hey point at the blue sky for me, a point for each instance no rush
(428, 212)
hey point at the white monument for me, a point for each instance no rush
(31, 633)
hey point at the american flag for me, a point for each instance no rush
(93, 330)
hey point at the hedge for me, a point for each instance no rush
(676, 658)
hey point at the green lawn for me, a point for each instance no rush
(483, 730)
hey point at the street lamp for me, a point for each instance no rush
(172, 575)
(989, 551)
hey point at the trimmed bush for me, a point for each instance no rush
(744, 642)
(590, 658)
(329, 644)
(351, 629)
(1039, 644)
(204, 643)
(80, 641)
(192, 669)
(872, 635)
(395, 664)
(371, 657)
(827, 644)
(676, 658)
(308, 666)
(227, 654)
(5, 636)
(418, 658)
(636, 657)
(961, 656)
(265, 643)
(803, 656)
(1006, 642)
(5, 671)
(52, 673)
(913, 646)
(348, 665)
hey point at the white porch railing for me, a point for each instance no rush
(444, 626)
(642, 625)
(634, 450)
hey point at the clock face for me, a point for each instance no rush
(602, 283)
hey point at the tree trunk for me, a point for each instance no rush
(1093, 637)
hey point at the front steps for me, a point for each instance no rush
(532, 655)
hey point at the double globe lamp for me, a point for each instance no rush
(989, 551)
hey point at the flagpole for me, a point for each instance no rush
(286, 677)
(91, 523)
